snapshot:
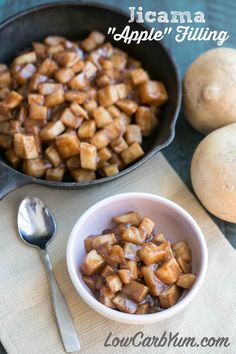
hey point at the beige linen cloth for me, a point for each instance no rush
(27, 325)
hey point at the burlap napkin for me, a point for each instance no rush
(27, 325)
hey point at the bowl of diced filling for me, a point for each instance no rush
(77, 108)
(142, 259)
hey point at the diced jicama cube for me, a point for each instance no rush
(130, 250)
(25, 146)
(92, 263)
(55, 49)
(138, 76)
(53, 156)
(169, 271)
(147, 225)
(170, 296)
(113, 254)
(88, 156)
(88, 243)
(103, 80)
(78, 66)
(75, 96)
(46, 88)
(151, 253)
(119, 59)
(99, 240)
(104, 154)
(90, 282)
(185, 267)
(80, 175)
(121, 91)
(36, 80)
(25, 58)
(101, 116)
(134, 235)
(94, 39)
(132, 218)
(114, 129)
(153, 92)
(116, 160)
(158, 238)
(64, 75)
(39, 48)
(54, 40)
(52, 130)
(155, 285)
(69, 119)
(14, 127)
(25, 73)
(114, 111)
(5, 127)
(66, 59)
(35, 167)
(111, 170)
(133, 134)
(181, 249)
(89, 70)
(67, 145)
(132, 153)
(5, 141)
(12, 100)
(78, 82)
(186, 280)
(106, 297)
(146, 120)
(100, 139)
(47, 67)
(55, 174)
(12, 158)
(124, 304)
(118, 145)
(78, 110)
(133, 267)
(34, 98)
(91, 103)
(114, 283)
(135, 291)
(37, 112)
(73, 162)
(5, 78)
(125, 275)
(108, 96)
(143, 309)
(107, 270)
(127, 106)
(87, 129)
(4, 91)
(54, 99)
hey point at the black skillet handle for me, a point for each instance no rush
(10, 180)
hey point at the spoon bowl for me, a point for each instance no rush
(36, 224)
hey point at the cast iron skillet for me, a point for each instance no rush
(76, 20)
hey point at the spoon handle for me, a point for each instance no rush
(67, 330)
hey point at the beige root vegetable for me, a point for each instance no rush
(210, 90)
(213, 172)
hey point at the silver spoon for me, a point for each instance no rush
(36, 227)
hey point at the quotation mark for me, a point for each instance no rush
(111, 30)
(167, 30)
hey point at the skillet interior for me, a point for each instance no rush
(75, 21)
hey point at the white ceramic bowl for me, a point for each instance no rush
(169, 218)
